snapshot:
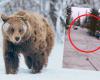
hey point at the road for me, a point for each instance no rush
(77, 60)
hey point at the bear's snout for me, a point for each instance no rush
(17, 38)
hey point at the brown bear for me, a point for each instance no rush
(27, 33)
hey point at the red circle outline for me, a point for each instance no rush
(69, 36)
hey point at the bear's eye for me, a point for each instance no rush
(21, 30)
(12, 30)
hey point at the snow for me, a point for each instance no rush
(80, 11)
(56, 57)
(55, 74)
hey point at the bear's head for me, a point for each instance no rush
(15, 28)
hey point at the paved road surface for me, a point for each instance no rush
(77, 60)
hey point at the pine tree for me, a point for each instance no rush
(93, 26)
(98, 26)
(86, 19)
(78, 23)
(68, 15)
(86, 22)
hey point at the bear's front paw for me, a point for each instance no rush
(34, 71)
(11, 71)
(37, 63)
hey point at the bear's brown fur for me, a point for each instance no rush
(35, 44)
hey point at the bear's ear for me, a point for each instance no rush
(4, 17)
(22, 18)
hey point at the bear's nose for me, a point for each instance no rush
(17, 38)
